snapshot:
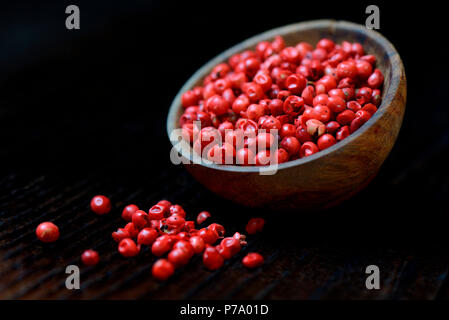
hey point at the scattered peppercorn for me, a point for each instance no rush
(255, 225)
(128, 212)
(47, 232)
(253, 260)
(202, 216)
(90, 257)
(128, 248)
(100, 204)
(162, 269)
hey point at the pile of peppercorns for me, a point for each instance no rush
(312, 97)
(165, 229)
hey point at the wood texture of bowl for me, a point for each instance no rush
(330, 176)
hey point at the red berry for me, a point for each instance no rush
(189, 98)
(175, 221)
(147, 236)
(263, 158)
(209, 236)
(128, 248)
(276, 107)
(47, 232)
(308, 94)
(369, 107)
(353, 106)
(281, 155)
(321, 99)
(177, 209)
(224, 127)
(197, 243)
(212, 259)
(253, 91)
(188, 226)
(332, 127)
(278, 44)
(326, 44)
(302, 135)
(161, 246)
(253, 260)
(363, 114)
(265, 140)
(347, 69)
(132, 230)
(128, 211)
(255, 225)
(307, 149)
(325, 141)
(240, 104)
(337, 93)
(184, 245)
(264, 80)
(293, 105)
(322, 113)
(164, 203)
(178, 257)
(157, 212)
(271, 123)
(255, 111)
(218, 228)
(202, 216)
(376, 79)
(233, 244)
(90, 257)
(328, 83)
(291, 145)
(364, 95)
(140, 219)
(346, 117)
(100, 204)
(364, 69)
(245, 157)
(217, 105)
(223, 154)
(162, 269)
(120, 234)
(222, 85)
(287, 130)
(336, 104)
(295, 83)
(342, 133)
(224, 252)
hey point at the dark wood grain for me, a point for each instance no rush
(332, 175)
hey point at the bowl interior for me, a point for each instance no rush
(388, 62)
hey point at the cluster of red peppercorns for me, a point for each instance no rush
(165, 229)
(312, 97)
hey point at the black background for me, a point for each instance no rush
(92, 103)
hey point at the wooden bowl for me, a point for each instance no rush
(330, 176)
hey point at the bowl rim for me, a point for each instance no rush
(389, 94)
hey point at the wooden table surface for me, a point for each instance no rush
(83, 119)
(308, 255)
